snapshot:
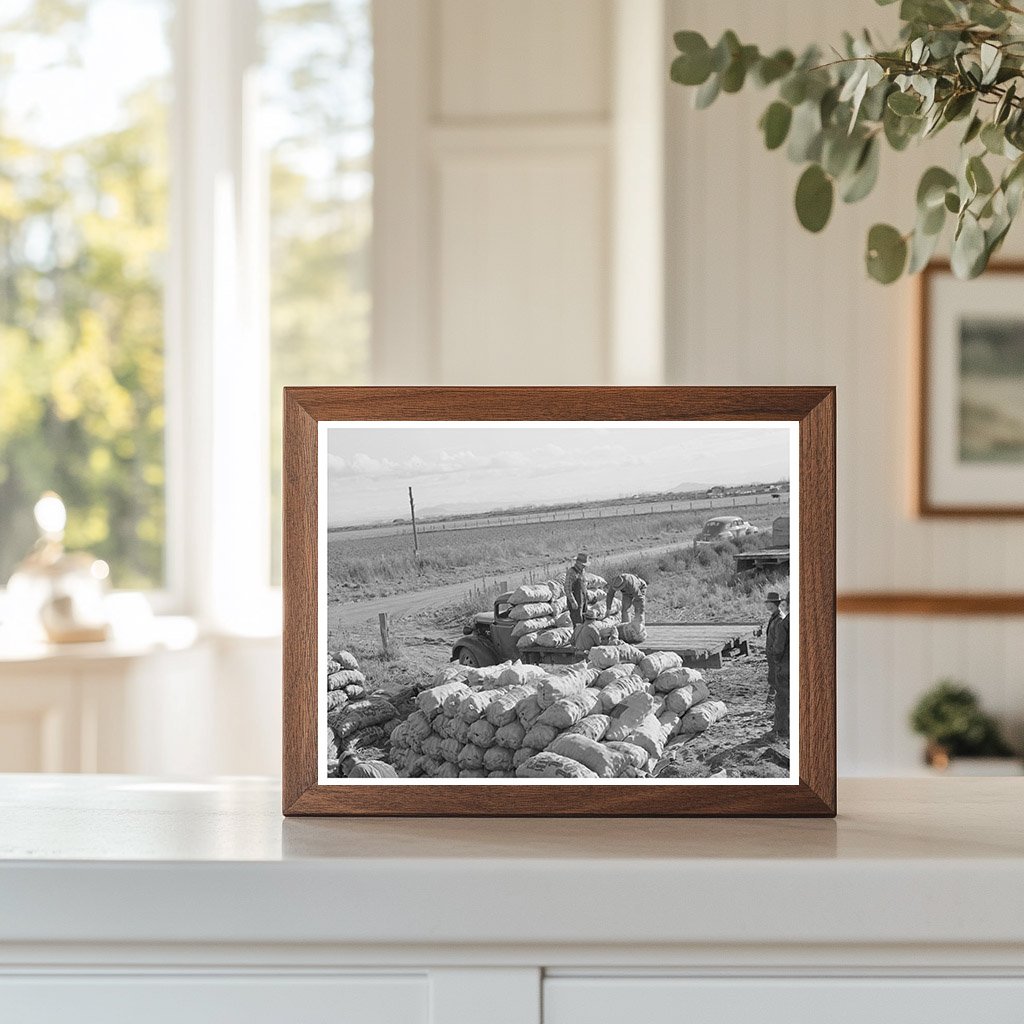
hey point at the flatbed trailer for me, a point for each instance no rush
(760, 561)
(487, 640)
(700, 644)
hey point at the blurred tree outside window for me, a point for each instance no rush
(85, 108)
(83, 236)
(317, 123)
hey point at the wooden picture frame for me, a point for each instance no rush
(929, 379)
(811, 409)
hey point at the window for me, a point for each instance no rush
(83, 235)
(317, 117)
(236, 212)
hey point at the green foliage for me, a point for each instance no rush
(956, 60)
(82, 232)
(949, 715)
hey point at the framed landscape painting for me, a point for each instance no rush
(559, 601)
(971, 393)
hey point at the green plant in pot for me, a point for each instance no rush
(951, 719)
(956, 63)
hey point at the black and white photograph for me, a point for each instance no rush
(530, 602)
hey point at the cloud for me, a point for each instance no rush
(546, 459)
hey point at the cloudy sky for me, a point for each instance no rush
(477, 468)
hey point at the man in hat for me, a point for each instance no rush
(772, 601)
(634, 591)
(576, 588)
(778, 651)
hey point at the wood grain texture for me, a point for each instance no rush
(812, 407)
(924, 603)
(925, 506)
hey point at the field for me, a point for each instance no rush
(365, 567)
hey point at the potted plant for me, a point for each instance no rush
(950, 718)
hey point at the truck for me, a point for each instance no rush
(487, 640)
(771, 559)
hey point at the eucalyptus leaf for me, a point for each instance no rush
(973, 130)
(886, 253)
(865, 173)
(968, 248)
(931, 191)
(805, 133)
(794, 88)
(993, 138)
(1005, 105)
(771, 69)
(707, 93)
(932, 221)
(922, 248)
(735, 74)
(991, 60)
(688, 69)
(814, 196)
(724, 51)
(978, 176)
(904, 103)
(987, 15)
(775, 124)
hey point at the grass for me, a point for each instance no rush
(405, 665)
(364, 567)
(701, 586)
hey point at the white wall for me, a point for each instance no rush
(754, 299)
(506, 130)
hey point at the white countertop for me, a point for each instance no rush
(121, 859)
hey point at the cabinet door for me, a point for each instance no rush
(570, 1000)
(206, 999)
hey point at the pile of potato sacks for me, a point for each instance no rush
(359, 724)
(541, 615)
(612, 716)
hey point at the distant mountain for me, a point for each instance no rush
(684, 487)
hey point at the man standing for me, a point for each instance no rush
(771, 602)
(778, 651)
(576, 588)
(634, 591)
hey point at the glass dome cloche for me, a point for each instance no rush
(57, 595)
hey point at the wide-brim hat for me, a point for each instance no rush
(773, 596)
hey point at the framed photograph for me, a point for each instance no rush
(971, 393)
(559, 601)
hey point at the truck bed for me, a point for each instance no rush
(762, 559)
(699, 644)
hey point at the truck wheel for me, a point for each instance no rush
(467, 657)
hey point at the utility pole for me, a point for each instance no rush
(415, 539)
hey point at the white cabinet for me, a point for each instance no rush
(205, 999)
(128, 899)
(824, 1000)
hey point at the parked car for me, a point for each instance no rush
(722, 530)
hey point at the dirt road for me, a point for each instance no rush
(350, 613)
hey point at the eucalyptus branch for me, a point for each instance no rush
(955, 61)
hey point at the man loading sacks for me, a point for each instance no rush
(634, 597)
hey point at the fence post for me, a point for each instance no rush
(385, 633)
